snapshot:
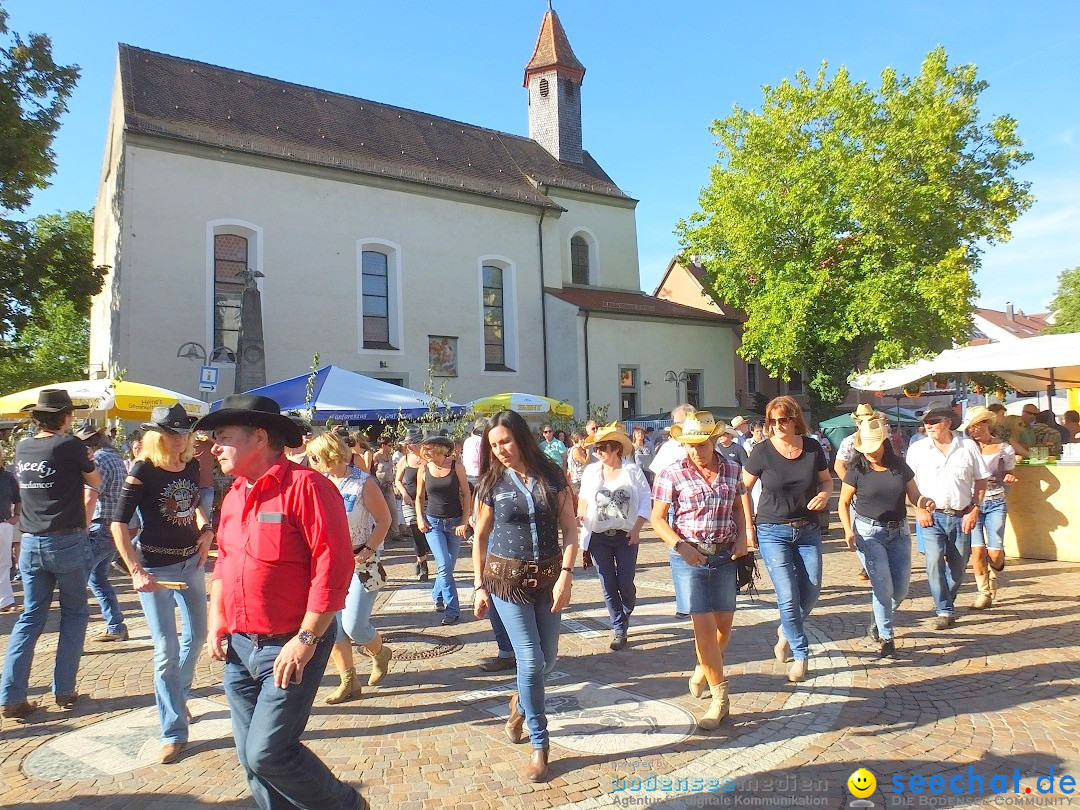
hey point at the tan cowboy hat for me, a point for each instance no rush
(864, 411)
(615, 432)
(976, 414)
(738, 422)
(697, 428)
(872, 434)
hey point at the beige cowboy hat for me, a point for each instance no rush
(976, 414)
(615, 432)
(698, 427)
(872, 434)
(738, 422)
(864, 411)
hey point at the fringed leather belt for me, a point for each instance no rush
(520, 581)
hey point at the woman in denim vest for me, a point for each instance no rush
(795, 487)
(524, 502)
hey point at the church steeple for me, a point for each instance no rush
(553, 77)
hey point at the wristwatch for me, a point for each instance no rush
(308, 638)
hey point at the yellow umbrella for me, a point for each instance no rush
(525, 404)
(116, 400)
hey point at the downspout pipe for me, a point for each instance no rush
(588, 397)
(543, 296)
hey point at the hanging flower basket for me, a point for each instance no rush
(980, 390)
(1000, 394)
(941, 383)
(912, 391)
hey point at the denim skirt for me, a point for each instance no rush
(707, 588)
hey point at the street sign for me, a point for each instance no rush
(208, 378)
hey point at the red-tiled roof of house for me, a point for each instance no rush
(553, 51)
(700, 275)
(185, 100)
(638, 304)
(1021, 325)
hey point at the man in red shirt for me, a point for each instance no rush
(284, 566)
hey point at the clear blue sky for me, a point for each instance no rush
(658, 74)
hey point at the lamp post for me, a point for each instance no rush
(672, 377)
(192, 350)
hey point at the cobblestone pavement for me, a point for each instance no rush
(998, 692)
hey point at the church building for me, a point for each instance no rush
(249, 222)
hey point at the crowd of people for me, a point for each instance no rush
(302, 525)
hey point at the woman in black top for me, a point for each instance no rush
(879, 532)
(524, 501)
(168, 568)
(795, 486)
(442, 514)
(405, 485)
(52, 468)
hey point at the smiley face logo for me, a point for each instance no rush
(861, 783)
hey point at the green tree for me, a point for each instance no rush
(1066, 303)
(53, 342)
(848, 221)
(33, 96)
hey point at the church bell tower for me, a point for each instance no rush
(553, 78)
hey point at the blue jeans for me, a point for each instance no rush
(354, 620)
(534, 634)
(104, 552)
(616, 563)
(445, 547)
(502, 638)
(793, 558)
(886, 555)
(947, 552)
(175, 657)
(989, 531)
(267, 723)
(206, 501)
(48, 562)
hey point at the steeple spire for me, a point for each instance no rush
(553, 77)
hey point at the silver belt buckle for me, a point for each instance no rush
(708, 549)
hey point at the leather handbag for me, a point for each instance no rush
(520, 581)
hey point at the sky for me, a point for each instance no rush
(658, 73)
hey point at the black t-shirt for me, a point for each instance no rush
(881, 492)
(734, 452)
(50, 472)
(9, 493)
(166, 502)
(787, 484)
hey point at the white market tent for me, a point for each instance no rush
(1030, 364)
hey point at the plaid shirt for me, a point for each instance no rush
(704, 513)
(113, 473)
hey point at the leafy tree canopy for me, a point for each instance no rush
(1066, 303)
(49, 258)
(847, 221)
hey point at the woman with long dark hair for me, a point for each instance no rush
(877, 530)
(524, 502)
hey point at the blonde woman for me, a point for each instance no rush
(362, 454)
(369, 521)
(163, 484)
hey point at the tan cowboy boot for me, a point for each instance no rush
(699, 684)
(985, 598)
(782, 650)
(350, 689)
(718, 709)
(380, 665)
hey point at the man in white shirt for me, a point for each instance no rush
(470, 450)
(950, 471)
(671, 451)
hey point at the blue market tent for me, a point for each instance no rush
(348, 397)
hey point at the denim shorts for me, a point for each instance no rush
(989, 531)
(707, 588)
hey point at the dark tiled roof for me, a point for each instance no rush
(637, 304)
(553, 50)
(192, 101)
(1021, 325)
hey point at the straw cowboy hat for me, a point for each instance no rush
(976, 414)
(872, 434)
(615, 432)
(697, 428)
(738, 422)
(864, 411)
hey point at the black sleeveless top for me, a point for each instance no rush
(443, 494)
(408, 480)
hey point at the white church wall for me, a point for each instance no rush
(611, 228)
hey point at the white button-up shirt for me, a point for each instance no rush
(948, 479)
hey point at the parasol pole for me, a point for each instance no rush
(1050, 391)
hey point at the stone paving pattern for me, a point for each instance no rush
(998, 691)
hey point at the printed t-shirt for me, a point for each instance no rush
(523, 529)
(166, 501)
(50, 472)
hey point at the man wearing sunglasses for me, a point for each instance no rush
(950, 471)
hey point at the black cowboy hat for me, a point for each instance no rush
(169, 419)
(54, 400)
(255, 411)
(413, 435)
(440, 437)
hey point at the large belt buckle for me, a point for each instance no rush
(534, 569)
(708, 549)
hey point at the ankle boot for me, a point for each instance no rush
(423, 574)
(718, 709)
(537, 769)
(995, 576)
(798, 671)
(985, 598)
(350, 689)
(380, 665)
(782, 650)
(515, 722)
(698, 682)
